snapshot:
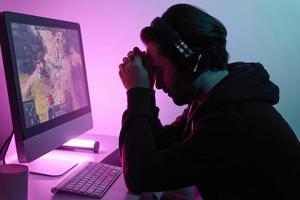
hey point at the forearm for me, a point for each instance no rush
(141, 139)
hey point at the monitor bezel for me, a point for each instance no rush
(14, 85)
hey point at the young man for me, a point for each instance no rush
(230, 141)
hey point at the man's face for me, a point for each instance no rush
(168, 78)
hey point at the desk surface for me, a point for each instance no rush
(39, 186)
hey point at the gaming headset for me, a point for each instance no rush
(193, 57)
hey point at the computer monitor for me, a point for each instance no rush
(46, 81)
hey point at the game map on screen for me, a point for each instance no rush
(50, 70)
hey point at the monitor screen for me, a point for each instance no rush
(50, 71)
(46, 81)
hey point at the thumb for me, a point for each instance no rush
(138, 61)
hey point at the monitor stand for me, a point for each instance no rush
(48, 166)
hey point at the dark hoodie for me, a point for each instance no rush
(235, 145)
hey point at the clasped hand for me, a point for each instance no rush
(136, 70)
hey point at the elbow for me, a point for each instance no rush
(133, 175)
(134, 188)
(136, 178)
(134, 183)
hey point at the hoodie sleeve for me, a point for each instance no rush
(141, 104)
(142, 133)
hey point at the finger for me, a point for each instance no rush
(121, 66)
(125, 59)
(127, 66)
(121, 74)
(136, 50)
(130, 54)
(138, 60)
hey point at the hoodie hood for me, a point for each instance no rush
(245, 82)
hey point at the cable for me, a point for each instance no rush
(5, 146)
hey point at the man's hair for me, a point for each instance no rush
(197, 29)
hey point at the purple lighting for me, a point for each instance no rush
(109, 31)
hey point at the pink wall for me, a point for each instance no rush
(109, 29)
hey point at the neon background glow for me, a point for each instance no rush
(258, 31)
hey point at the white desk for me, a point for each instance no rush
(39, 186)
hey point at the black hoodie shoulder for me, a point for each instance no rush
(245, 82)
